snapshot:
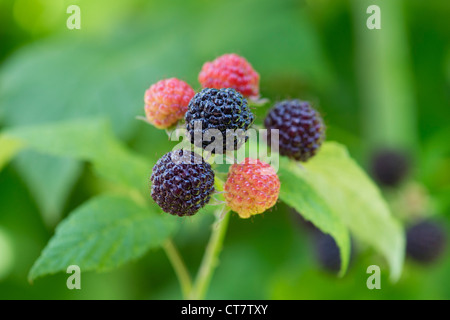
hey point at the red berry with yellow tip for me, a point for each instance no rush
(251, 188)
(230, 71)
(167, 101)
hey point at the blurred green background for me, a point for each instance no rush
(375, 88)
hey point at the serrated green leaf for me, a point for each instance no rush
(299, 194)
(103, 233)
(352, 195)
(88, 140)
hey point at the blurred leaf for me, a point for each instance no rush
(301, 195)
(90, 140)
(6, 253)
(104, 233)
(353, 197)
(297, 52)
(9, 147)
(433, 162)
(49, 180)
(83, 84)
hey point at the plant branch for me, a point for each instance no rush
(210, 258)
(180, 268)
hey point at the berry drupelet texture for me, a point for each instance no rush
(301, 129)
(230, 71)
(389, 167)
(182, 182)
(167, 101)
(425, 241)
(251, 188)
(225, 110)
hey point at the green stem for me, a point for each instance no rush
(385, 77)
(210, 258)
(180, 269)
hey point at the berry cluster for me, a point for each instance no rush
(217, 119)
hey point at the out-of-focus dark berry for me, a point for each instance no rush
(389, 167)
(425, 241)
(327, 252)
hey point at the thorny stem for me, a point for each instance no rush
(180, 268)
(210, 258)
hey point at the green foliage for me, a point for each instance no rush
(89, 140)
(59, 174)
(102, 71)
(340, 193)
(71, 77)
(331, 191)
(104, 233)
(9, 147)
(306, 200)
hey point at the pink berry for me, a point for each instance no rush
(230, 71)
(167, 101)
(251, 188)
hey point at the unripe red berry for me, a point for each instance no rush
(251, 188)
(230, 71)
(167, 101)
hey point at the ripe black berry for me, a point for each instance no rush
(301, 128)
(389, 167)
(223, 109)
(425, 241)
(182, 182)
